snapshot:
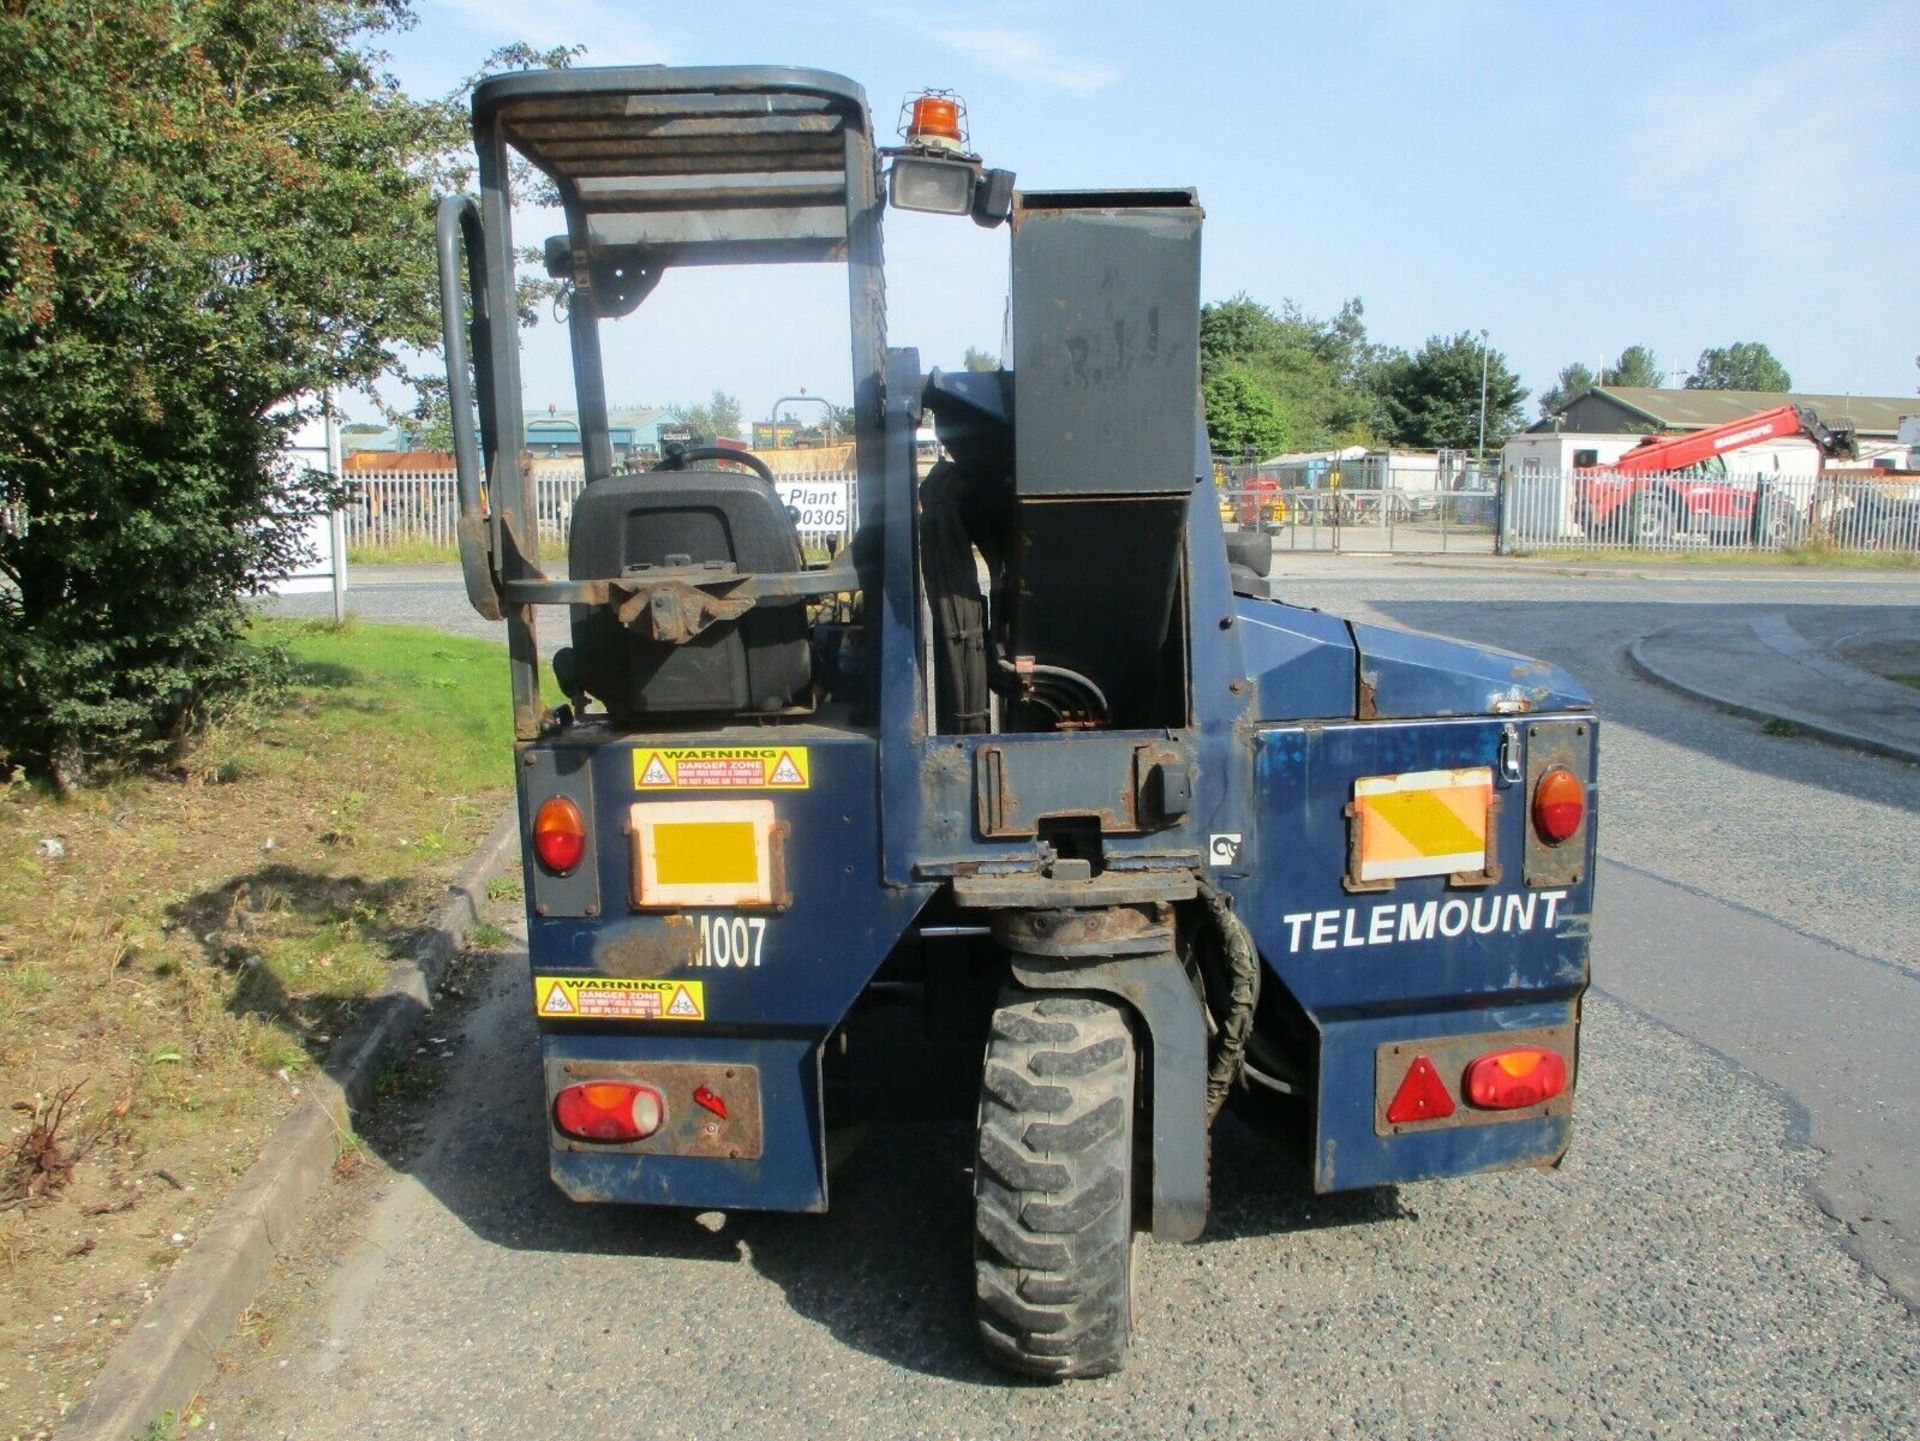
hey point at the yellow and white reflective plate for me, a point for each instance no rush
(1422, 823)
(705, 853)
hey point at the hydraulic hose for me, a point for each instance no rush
(1243, 995)
(1052, 678)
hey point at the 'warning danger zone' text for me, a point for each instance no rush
(721, 768)
(607, 998)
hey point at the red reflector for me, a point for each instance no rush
(712, 1101)
(608, 1111)
(559, 835)
(1559, 803)
(1523, 1076)
(1422, 1095)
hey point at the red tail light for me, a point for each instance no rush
(1523, 1076)
(1559, 805)
(608, 1111)
(559, 835)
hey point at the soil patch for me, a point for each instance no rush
(177, 953)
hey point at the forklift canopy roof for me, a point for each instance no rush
(692, 166)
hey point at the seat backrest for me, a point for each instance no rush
(629, 524)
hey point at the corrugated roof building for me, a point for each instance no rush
(1634, 410)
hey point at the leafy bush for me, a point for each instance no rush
(210, 211)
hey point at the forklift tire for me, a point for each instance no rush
(1054, 1245)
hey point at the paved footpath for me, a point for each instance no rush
(1794, 672)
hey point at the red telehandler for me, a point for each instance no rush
(1674, 485)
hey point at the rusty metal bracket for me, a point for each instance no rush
(672, 611)
(837, 578)
(1026, 891)
(1488, 875)
(731, 1133)
(1450, 1056)
(1125, 930)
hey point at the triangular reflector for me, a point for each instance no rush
(1422, 1095)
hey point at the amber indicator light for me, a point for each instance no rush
(559, 835)
(1559, 805)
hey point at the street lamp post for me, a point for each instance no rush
(1480, 452)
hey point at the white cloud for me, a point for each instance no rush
(1026, 56)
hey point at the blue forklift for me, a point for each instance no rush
(1028, 802)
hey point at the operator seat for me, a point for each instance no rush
(627, 525)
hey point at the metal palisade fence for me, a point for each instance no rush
(399, 512)
(1850, 510)
(1415, 509)
(1410, 511)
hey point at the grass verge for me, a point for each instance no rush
(176, 953)
(410, 552)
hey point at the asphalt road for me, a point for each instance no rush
(1713, 1259)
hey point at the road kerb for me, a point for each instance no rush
(163, 1360)
(1815, 726)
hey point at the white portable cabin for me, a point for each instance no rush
(1413, 472)
(1544, 453)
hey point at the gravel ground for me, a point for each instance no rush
(1672, 1278)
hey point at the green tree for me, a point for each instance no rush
(1636, 366)
(1242, 416)
(1432, 399)
(977, 359)
(718, 419)
(428, 418)
(1744, 365)
(1575, 381)
(209, 210)
(428, 422)
(1318, 373)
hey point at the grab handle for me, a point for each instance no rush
(459, 221)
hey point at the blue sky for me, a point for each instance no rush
(1573, 178)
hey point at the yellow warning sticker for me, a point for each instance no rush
(721, 768)
(611, 998)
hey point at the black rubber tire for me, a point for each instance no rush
(1054, 1246)
(1782, 525)
(1653, 521)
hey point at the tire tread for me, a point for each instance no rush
(1053, 1224)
